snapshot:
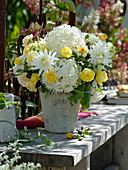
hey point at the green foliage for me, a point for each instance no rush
(82, 132)
(82, 94)
(67, 5)
(10, 162)
(30, 104)
(17, 17)
(79, 134)
(4, 102)
(25, 137)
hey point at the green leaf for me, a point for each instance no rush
(4, 101)
(2, 105)
(86, 37)
(43, 138)
(78, 95)
(85, 102)
(2, 95)
(20, 71)
(61, 6)
(30, 104)
(29, 74)
(99, 89)
(26, 140)
(70, 6)
(48, 141)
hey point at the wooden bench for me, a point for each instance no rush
(106, 147)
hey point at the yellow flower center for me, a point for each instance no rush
(34, 78)
(66, 52)
(82, 50)
(26, 50)
(50, 76)
(44, 46)
(87, 75)
(17, 61)
(101, 76)
(103, 37)
(30, 56)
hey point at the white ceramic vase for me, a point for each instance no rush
(60, 115)
(7, 129)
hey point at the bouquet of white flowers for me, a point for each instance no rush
(66, 60)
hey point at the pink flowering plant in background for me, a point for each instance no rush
(108, 19)
(55, 11)
(34, 28)
(85, 3)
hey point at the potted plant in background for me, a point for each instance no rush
(7, 117)
(69, 68)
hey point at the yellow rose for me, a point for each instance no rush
(82, 50)
(17, 61)
(103, 37)
(101, 76)
(87, 75)
(50, 76)
(30, 87)
(66, 52)
(34, 78)
(69, 135)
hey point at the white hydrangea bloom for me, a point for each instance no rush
(65, 36)
(67, 76)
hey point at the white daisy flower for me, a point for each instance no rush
(100, 54)
(44, 60)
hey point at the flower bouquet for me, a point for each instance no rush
(66, 61)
